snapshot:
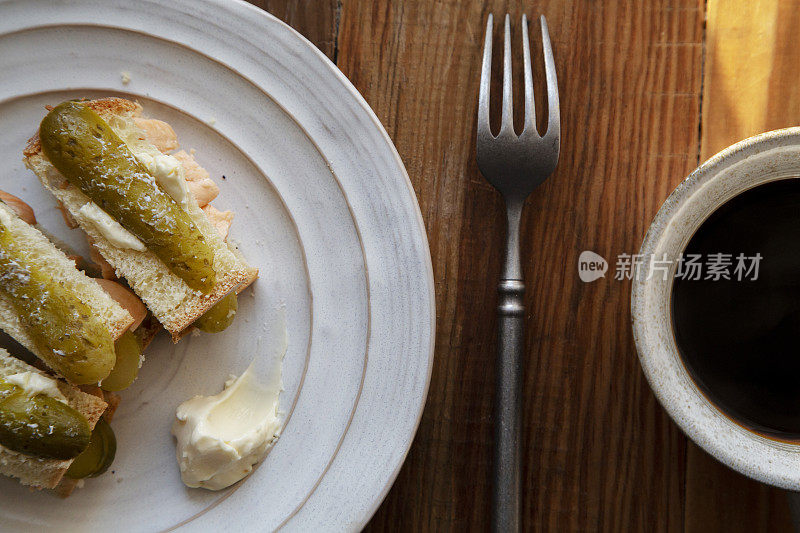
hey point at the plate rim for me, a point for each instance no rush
(430, 281)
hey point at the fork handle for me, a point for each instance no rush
(508, 408)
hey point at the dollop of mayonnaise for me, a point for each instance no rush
(34, 383)
(168, 172)
(220, 438)
(110, 228)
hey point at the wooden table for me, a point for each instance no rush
(648, 90)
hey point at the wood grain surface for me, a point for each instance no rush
(600, 453)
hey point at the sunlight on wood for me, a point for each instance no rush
(750, 71)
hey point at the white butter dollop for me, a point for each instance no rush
(168, 172)
(110, 228)
(220, 438)
(34, 383)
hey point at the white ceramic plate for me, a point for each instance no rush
(323, 207)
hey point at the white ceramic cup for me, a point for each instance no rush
(754, 161)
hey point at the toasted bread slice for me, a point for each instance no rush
(60, 267)
(168, 297)
(35, 471)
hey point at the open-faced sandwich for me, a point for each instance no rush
(46, 424)
(109, 169)
(88, 336)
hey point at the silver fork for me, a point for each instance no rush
(515, 166)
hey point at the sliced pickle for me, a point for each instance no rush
(84, 148)
(40, 426)
(220, 316)
(127, 368)
(70, 338)
(95, 459)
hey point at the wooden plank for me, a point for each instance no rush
(750, 81)
(600, 453)
(719, 499)
(749, 87)
(317, 21)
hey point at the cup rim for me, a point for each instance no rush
(764, 459)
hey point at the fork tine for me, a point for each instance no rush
(486, 79)
(530, 107)
(553, 117)
(507, 123)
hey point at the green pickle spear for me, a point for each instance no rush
(71, 339)
(95, 459)
(83, 147)
(40, 426)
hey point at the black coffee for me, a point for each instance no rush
(740, 338)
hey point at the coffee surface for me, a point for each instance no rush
(740, 338)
